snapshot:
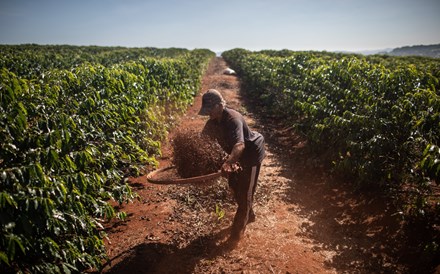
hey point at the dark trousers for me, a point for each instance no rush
(243, 185)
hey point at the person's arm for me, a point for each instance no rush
(236, 152)
(233, 158)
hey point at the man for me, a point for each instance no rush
(245, 148)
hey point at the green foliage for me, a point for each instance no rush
(69, 137)
(32, 61)
(371, 117)
(219, 212)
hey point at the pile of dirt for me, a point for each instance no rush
(195, 154)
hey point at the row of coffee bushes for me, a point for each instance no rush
(69, 137)
(31, 61)
(376, 119)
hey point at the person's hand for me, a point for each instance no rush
(228, 168)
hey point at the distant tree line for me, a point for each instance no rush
(419, 50)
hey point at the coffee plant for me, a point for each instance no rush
(74, 123)
(375, 120)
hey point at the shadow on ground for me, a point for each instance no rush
(167, 258)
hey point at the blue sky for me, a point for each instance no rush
(330, 25)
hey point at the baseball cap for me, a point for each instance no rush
(209, 100)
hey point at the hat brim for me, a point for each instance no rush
(204, 111)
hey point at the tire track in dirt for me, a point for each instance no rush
(306, 222)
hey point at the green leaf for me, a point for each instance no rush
(13, 242)
(66, 269)
(219, 212)
(4, 257)
(6, 198)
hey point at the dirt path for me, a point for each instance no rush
(306, 222)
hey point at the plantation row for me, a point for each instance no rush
(32, 61)
(69, 136)
(375, 120)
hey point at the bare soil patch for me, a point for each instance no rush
(307, 221)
